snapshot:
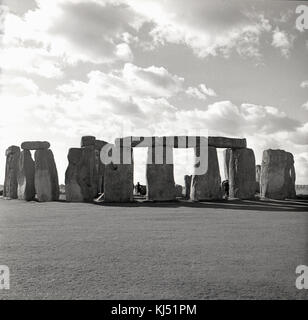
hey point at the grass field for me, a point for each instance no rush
(226, 250)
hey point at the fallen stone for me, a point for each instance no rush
(25, 177)
(207, 186)
(277, 175)
(242, 174)
(87, 141)
(11, 170)
(72, 188)
(35, 145)
(187, 180)
(46, 176)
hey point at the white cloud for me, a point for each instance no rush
(305, 105)
(282, 41)
(304, 84)
(201, 92)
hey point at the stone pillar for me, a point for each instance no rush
(119, 180)
(25, 178)
(277, 175)
(11, 171)
(100, 167)
(226, 153)
(72, 188)
(46, 176)
(187, 180)
(258, 177)
(160, 174)
(207, 186)
(242, 174)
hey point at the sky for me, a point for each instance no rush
(139, 67)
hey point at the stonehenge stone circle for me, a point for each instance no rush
(25, 177)
(46, 176)
(277, 175)
(207, 186)
(187, 180)
(242, 174)
(35, 145)
(72, 187)
(10, 183)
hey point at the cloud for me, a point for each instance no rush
(201, 92)
(304, 84)
(282, 41)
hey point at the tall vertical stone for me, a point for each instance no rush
(258, 178)
(187, 180)
(25, 178)
(46, 176)
(87, 174)
(277, 175)
(100, 167)
(11, 171)
(242, 174)
(119, 181)
(160, 174)
(207, 186)
(226, 153)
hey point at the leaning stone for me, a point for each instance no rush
(277, 175)
(87, 141)
(187, 180)
(119, 183)
(242, 174)
(46, 176)
(25, 178)
(72, 188)
(11, 170)
(35, 145)
(207, 186)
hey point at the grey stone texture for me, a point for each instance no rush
(25, 177)
(35, 145)
(11, 170)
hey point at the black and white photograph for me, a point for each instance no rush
(153, 151)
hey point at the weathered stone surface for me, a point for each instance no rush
(160, 175)
(99, 144)
(207, 186)
(87, 141)
(179, 191)
(223, 142)
(87, 174)
(226, 154)
(277, 175)
(258, 177)
(35, 145)
(119, 183)
(25, 178)
(72, 188)
(11, 170)
(242, 174)
(187, 180)
(46, 176)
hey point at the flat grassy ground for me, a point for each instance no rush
(225, 250)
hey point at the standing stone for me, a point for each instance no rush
(72, 188)
(160, 175)
(119, 181)
(277, 175)
(46, 176)
(242, 174)
(187, 180)
(35, 145)
(258, 177)
(11, 170)
(87, 141)
(226, 154)
(25, 178)
(207, 186)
